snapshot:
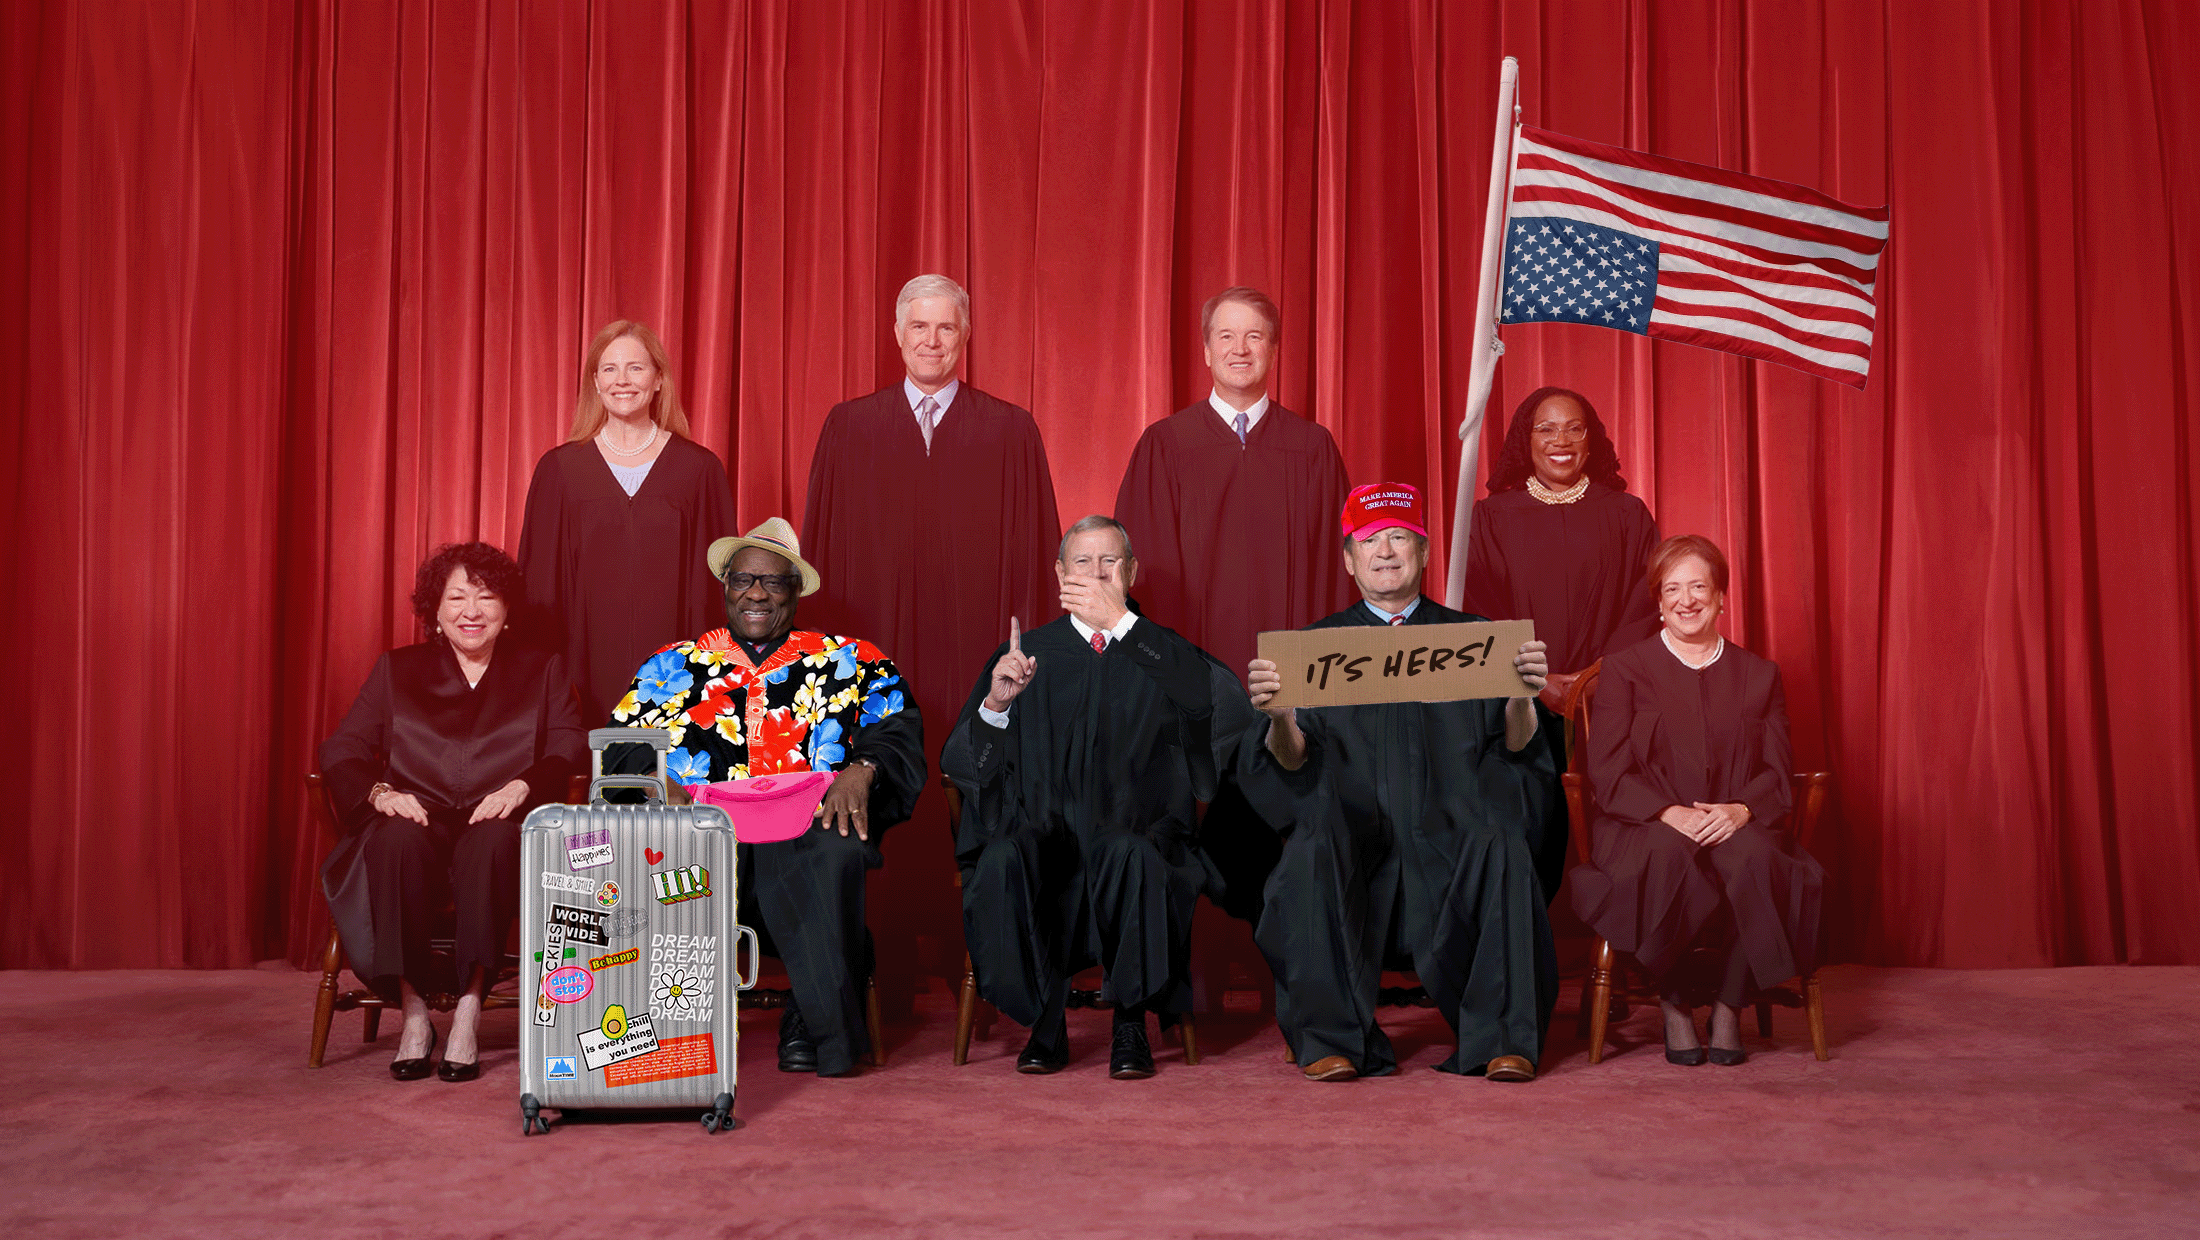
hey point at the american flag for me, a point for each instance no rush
(1679, 251)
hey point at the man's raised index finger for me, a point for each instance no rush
(1015, 636)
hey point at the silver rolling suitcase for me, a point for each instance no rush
(627, 948)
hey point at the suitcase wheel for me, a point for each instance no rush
(530, 1116)
(720, 1116)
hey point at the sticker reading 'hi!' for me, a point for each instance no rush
(688, 882)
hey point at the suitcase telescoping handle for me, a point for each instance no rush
(659, 741)
(756, 957)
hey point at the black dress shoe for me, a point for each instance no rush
(448, 1071)
(415, 1069)
(1130, 1059)
(1726, 1058)
(1042, 1058)
(797, 1049)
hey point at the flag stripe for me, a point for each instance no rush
(1710, 177)
(1773, 282)
(1702, 288)
(1538, 169)
(1767, 344)
(1831, 337)
(1745, 244)
(1763, 353)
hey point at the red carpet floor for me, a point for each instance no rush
(2057, 1103)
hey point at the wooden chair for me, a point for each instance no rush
(966, 1006)
(1606, 973)
(329, 999)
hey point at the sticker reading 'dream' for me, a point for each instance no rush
(588, 850)
(693, 1055)
(559, 1068)
(608, 895)
(683, 976)
(582, 925)
(554, 881)
(688, 882)
(570, 984)
(600, 1048)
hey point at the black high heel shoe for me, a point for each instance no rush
(415, 1069)
(1690, 1058)
(1721, 1055)
(448, 1071)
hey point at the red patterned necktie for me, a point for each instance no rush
(1397, 619)
(1099, 643)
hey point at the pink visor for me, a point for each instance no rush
(768, 808)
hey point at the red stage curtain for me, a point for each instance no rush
(294, 292)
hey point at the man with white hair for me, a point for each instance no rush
(931, 519)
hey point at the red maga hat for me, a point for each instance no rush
(1380, 505)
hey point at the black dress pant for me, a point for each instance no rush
(1469, 915)
(804, 899)
(1040, 906)
(412, 872)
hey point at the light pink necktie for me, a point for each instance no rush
(928, 416)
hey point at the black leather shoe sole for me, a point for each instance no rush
(1040, 1065)
(798, 1059)
(1727, 1058)
(448, 1071)
(1691, 1058)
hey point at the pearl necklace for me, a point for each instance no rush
(1567, 496)
(603, 437)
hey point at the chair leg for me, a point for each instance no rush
(1815, 1007)
(1764, 1019)
(324, 1001)
(1599, 999)
(1190, 1032)
(871, 1023)
(966, 1012)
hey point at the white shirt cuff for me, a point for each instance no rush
(998, 718)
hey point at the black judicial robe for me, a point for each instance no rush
(1662, 733)
(1233, 538)
(420, 727)
(1079, 838)
(929, 554)
(1408, 836)
(616, 576)
(1575, 569)
(1236, 538)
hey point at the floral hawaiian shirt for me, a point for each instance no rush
(731, 718)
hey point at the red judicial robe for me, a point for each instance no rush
(1662, 733)
(929, 555)
(1575, 569)
(619, 576)
(1236, 538)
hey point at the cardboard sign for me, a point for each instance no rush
(1359, 664)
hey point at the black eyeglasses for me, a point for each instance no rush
(776, 583)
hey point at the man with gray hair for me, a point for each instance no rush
(1080, 756)
(929, 516)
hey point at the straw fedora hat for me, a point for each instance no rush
(775, 536)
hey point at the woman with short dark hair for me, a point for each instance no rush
(449, 744)
(1689, 761)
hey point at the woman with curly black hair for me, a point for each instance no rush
(449, 744)
(1559, 540)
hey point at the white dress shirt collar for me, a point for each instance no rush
(1116, 634)
(1386, 616)
(943, 398)
(1230, 416)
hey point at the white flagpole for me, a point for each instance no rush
(1482, 368)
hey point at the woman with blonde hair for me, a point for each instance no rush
(618, 520)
